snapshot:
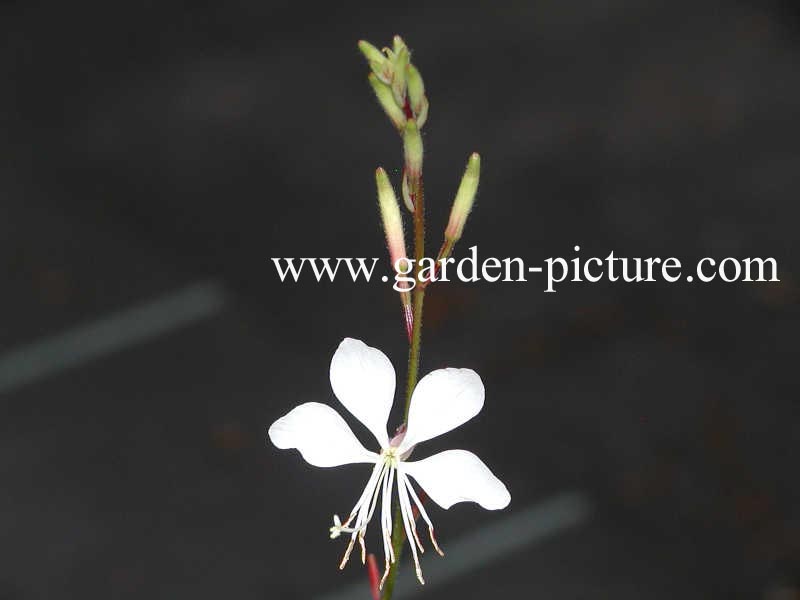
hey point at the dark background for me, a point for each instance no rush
(148, 146)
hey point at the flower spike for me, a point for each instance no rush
(363, 379)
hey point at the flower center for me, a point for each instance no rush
(384, 472)
(390, 457)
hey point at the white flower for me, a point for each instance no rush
(363, 380)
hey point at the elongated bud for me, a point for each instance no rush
(386, 99)
(416, 90)
(399, 76)
(380, 65)
(395, 240)
(370, 52)
(412, 147)
(465, 197)
(390, 215)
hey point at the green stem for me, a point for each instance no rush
(418, 293)
(414, 350)
(398, 533)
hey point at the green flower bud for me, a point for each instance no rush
(398, 44)
(399, 68)
(380, 65)
(370, 52)
(465, 197)
(386, 99)
(390, 215)
(416, 89)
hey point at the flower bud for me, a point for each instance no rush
(398, 44)
(370, 52)
(390, 215)
(416, 89)
(399, 69)
(380, 65)
(465, 197)
(386, 99)
(412, 147)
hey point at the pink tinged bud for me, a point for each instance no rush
(412, 147)
(395, 240)
(390, 215)
(383, 93)
(465, 197)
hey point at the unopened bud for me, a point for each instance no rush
(370, 52)
(390, 215)
(416, 89)
(465, 197)
(412, 147)
(399, 69)
(398, 44)
(380, 65)
(386, 99)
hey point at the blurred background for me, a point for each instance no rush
(156, 156)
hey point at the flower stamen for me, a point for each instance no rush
(422, 512)
(362, 511)
(386, 526)
(408, 524)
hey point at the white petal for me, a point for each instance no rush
(442, 400)
(321, 436)
(458, 476)
(363, 380)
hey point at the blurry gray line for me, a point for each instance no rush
(109, 334)
(503, 537)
